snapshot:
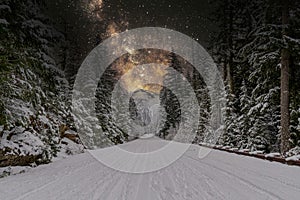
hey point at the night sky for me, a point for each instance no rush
(84, 25)
(189, 17)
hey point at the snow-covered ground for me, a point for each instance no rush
(219, 175)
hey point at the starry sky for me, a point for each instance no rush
(187, 16)
(85, 22)
(88, 22)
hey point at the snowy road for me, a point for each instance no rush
(220, 175)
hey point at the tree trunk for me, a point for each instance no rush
(229, 77)
(284, 99)
(229, 64)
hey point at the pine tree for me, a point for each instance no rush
(36, 100)
(111, 128)
(256, 57)
(169, 100)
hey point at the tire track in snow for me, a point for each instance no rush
(51, 182)
(241, 180)
(159, 189)
(213, 190)
(257, 173)
(162, 185)
(110, 183)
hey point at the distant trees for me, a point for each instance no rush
(169, 100)
(173, 81)
(112, 131)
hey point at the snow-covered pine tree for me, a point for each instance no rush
(201, 92)
(263, 55)
(231, 135)
(169, 100)
(104, 108)
(234, 19)
(35, 102)
(255, 31)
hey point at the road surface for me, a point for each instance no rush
(219, 175)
